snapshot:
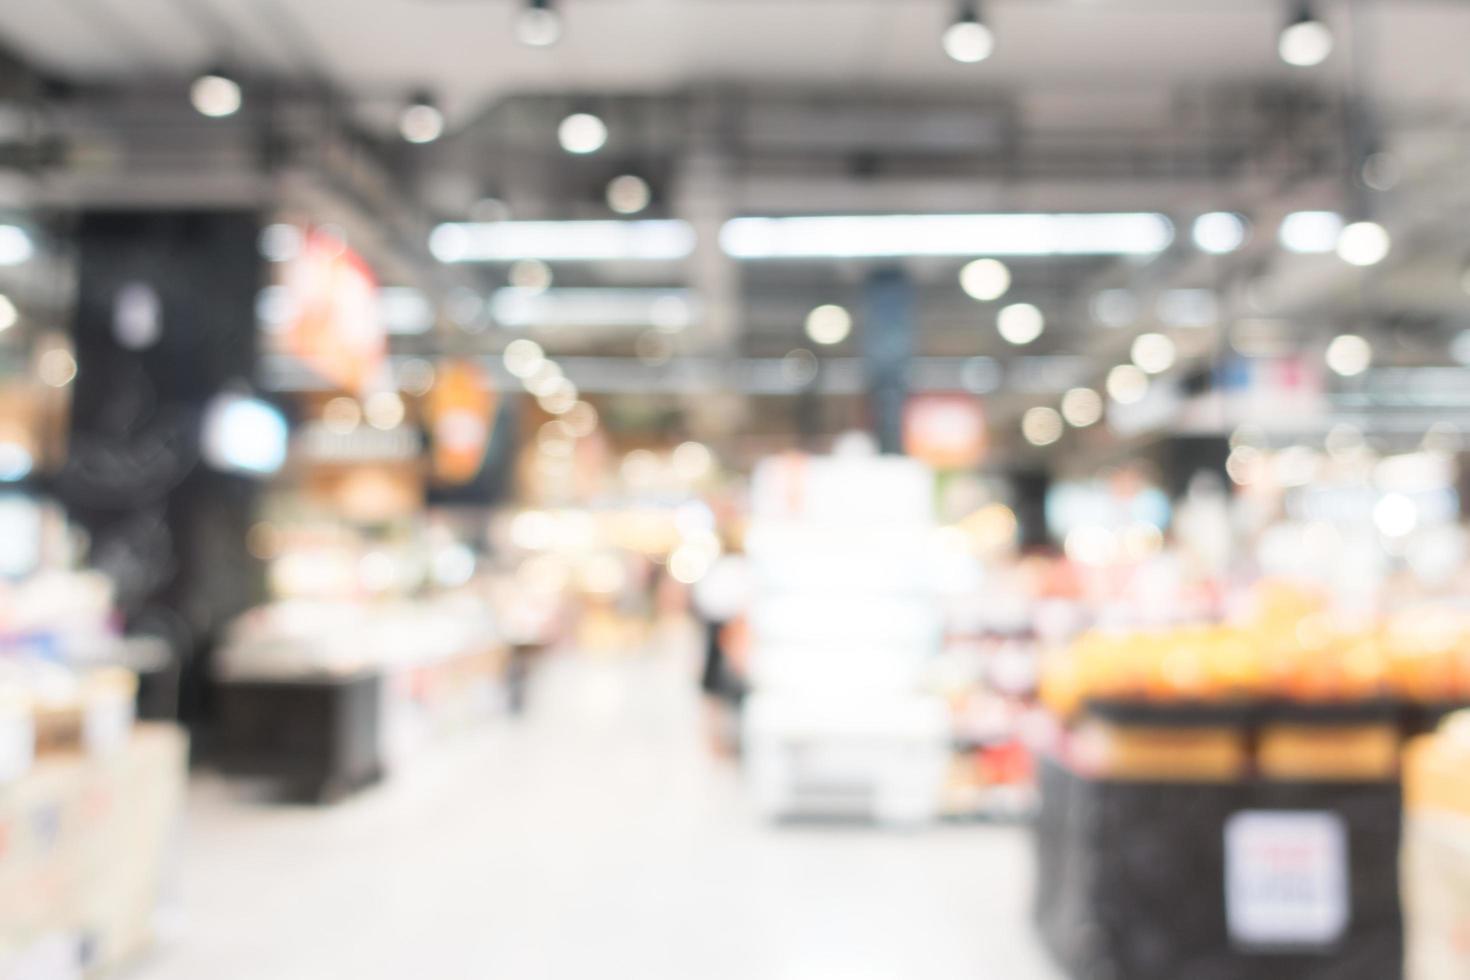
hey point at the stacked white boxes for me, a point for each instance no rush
(845, 617)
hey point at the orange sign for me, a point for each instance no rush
(461, 413)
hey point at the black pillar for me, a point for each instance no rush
(165, 319)
(888, 346)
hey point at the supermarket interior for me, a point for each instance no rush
(735, 489)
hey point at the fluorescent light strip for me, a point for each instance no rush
(563, 241)
(891, 235)
(668, 309)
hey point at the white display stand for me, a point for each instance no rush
(844, 619)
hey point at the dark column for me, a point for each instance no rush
(1030, 506)
(165, 318)
(888, 346)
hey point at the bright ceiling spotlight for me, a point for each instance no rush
(9, 315)
(628, 194)
(1349, 355)
(582, 133)
(1363, 243)
(421, 121)
(215, 94)
(1041, 425)
(968, 40)
(1127, 384)
(985, 279)
(1219, 232)
(1310, 232)
(828, 324)
(1020, 323)
(538, 24)
(523, 357)
(1082, 407)
(1305, 41)
(1154, 353)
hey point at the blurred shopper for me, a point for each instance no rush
(720, 600)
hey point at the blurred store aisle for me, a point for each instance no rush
(594, 838)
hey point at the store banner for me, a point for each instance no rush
(461, 411)
(337, 328)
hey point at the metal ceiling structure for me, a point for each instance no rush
(770, 107)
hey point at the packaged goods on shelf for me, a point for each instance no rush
(1435, 863)
(86, 838)
(844, 618)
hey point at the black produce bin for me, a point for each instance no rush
(318, 737)
(1131, 879)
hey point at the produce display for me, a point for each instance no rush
(1293, 649)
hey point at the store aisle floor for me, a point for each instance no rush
(593, 838)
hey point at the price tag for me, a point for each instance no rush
(1286, 878)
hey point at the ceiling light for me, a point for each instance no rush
(1082, 407)
(1041, 425)
(887, 235)
(421, 121)
(967, 40)
(530, 276)
(580, 420)
(1309, 232)
(1363, 243)
(9, 315)
(545, 379)
(564, 241)
(523, 357)
(582, 133)
(384, 410)
(1349, 355)
(1153, 352)
(828, 324)
(538, 25)
(56, 368)
(666, 309)
(628, 194)
(215, 94)
(1219, 232)
(1020, 323)
(985, 279)
(1127, 384)
(1306, 41)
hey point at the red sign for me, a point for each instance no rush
(337, 329)
(946, 431)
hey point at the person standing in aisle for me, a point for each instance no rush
(720, 600)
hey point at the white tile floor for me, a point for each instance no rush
(594, 838)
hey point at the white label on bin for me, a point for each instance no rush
(1286, 878)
